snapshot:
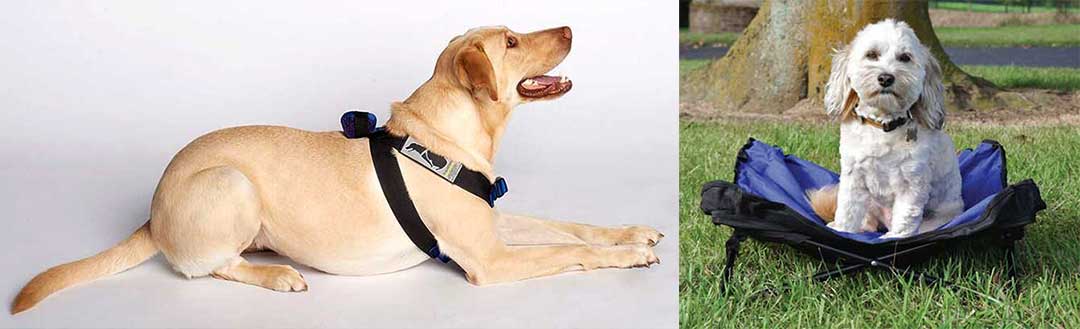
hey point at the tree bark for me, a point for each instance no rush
(785, 55)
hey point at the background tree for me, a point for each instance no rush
(784, 56)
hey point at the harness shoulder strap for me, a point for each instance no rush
(397, 196)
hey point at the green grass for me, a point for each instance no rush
(1057, 78)
(993, 8)
(1058, 35)
(1050, 253)
(707, 39)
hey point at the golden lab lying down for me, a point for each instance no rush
(282, 189)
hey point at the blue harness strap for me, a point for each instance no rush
(362, 125)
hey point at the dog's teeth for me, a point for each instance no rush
(563, 79)
(529, 83)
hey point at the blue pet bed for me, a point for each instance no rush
(767, 201)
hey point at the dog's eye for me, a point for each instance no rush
(904, 57)
(872, 55)
(511, 42)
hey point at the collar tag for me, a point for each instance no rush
(892, 125)
(448, 169)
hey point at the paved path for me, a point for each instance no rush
(1035, 56)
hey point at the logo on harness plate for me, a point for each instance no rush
(437, 163)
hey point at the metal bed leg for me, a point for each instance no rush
(828, 274)
(732, 248)
(1011, 263)
(882, 262)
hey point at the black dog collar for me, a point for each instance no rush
(889, 125)
(886, 126)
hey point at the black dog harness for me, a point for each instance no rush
(362, 125)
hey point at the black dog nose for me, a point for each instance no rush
(885, 79)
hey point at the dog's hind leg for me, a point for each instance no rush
(525, 230)
(203, 221)
(274, 277)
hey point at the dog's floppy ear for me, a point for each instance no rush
(929, 110)
(475, 71)
(839, 97)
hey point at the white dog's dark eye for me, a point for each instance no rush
(872, 55)
(904, 57)
(511, 42)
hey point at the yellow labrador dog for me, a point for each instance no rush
(315, 197)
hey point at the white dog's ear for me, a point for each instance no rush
(929, 110)
(839, 96)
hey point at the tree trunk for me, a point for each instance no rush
(784, 56)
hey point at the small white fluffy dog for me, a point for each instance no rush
(898, 168)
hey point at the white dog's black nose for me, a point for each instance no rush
(885, 79)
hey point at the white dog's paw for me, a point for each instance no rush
(895, 235)
(837, 227)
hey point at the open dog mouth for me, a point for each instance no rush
(542, 86)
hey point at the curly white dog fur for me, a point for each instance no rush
(898, 168)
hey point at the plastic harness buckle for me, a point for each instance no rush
(498, 189)
(437, 253)
(356, 124)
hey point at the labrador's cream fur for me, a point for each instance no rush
(314, 197)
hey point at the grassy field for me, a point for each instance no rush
(1056, 78)
(992, 8)
(1050, 253)
(1059, 35)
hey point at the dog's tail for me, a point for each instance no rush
(823, 201)
(136, 249)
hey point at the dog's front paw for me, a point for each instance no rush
(627, 256)
(896, 235)
(837, 227)
(639, 235)
(643, 256)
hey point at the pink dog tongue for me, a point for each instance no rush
(542, 81)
